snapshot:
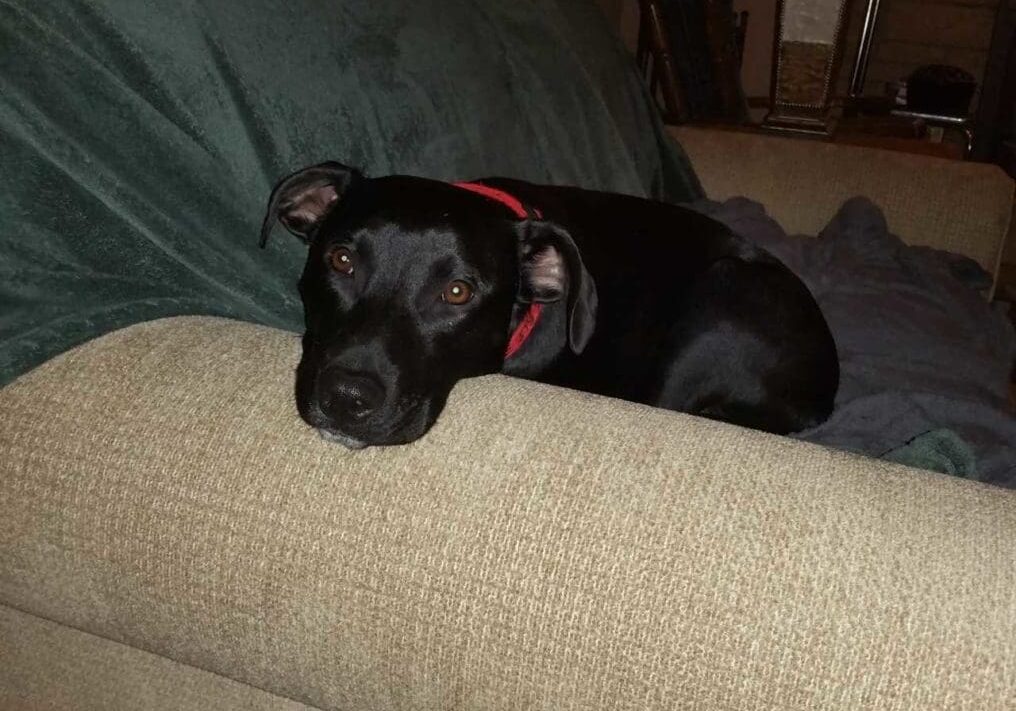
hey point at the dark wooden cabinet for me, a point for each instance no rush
(995, 121)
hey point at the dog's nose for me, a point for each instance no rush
(348, 396)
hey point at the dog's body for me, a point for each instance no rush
(641, 300)
(690, 316)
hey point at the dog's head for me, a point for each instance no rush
(409, 286)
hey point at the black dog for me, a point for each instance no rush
(412, 284)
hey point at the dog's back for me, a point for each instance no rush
(690, 317)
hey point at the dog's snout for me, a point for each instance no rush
(348, 396)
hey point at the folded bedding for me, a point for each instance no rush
(925, 360)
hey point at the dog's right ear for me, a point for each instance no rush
(301, 200)
(552, 269)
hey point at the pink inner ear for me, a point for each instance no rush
(308, 206)
(546, 271)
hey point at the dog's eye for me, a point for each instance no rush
(457, 293)
(342, 260)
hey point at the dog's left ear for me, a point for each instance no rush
(300, 201)
(552, 269)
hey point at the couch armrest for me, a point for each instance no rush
(540, 548)
(954, 205)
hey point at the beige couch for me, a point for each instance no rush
(172, 537)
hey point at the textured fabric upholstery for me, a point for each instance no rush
(539, 549)
(961, 207)
(50, 666)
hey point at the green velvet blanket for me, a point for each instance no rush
(140, 139)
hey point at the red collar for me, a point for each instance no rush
(528, 323)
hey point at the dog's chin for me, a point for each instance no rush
(409, 428)
(339, 438)
(404, 435)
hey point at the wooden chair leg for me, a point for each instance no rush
(675, 105)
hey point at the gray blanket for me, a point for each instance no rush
(920, 349)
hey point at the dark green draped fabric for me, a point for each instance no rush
(139, 140)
